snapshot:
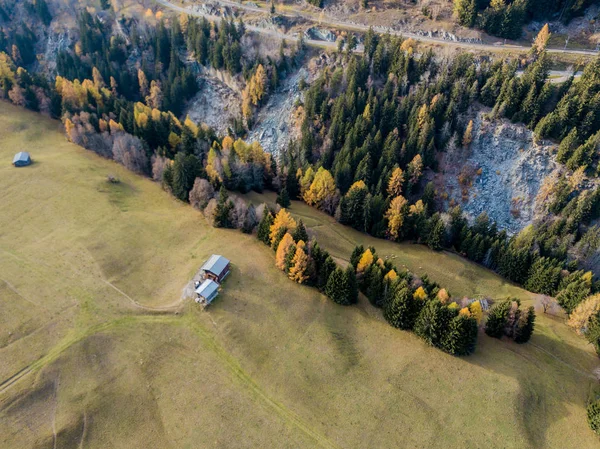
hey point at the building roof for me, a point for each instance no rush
(22, 156)
(207, 288)
(216, 264)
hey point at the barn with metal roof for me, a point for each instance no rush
(21, 159)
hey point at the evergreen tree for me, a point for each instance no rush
(401, 310)
(264, 226)
(300, 232)
(283, 198)
(525, 326)
(461, 336)
(466, 12)
(223, 210)
(592, 333)
(573, 294)
(335, 287)
(497, 318)
(324, 272)
(186, 168)
(593, 415)
(357, 253)
(432, 322)
(351, 285)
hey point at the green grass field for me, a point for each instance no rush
(97, 351)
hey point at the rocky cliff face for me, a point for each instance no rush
(500, 173)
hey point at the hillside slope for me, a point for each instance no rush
(99, 353)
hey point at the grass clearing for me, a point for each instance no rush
(91, 360)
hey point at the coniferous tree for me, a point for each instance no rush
(432, 321)
(223, 211)
(283, 198)
(401, 310)
(357, 253)
(264, 226)
(351, 285)
(497, 318)
(335, 287)
(300, 232)
(592, 333)
(525, 326)
(461, 336)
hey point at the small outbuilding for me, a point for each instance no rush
(216, 268)
(207, 292)
(22, 159)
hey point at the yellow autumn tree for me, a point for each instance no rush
(395, 183)
(415, 169)
(579, 318)
(395, 216)
(189, 124)
(420, 294)
(417, 208)
(174, 140)
(468, 135)
(391, 276)
(283, 220)
(299, 264)
(476, 311)
(453, 306)
(213, 167)
(322, 189)
(284, 246)
(541, 39)
(366, 260)
(305, 179)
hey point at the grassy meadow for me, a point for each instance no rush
(98, 351)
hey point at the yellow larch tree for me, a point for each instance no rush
(366, 260)
(395, 183)
(468, 135)
(420, 294)
(391, 276)
(321, 189)
(299, 264)
(284, 246)
(476, 311)
(283, 220)
(579, 318)
(395, 216)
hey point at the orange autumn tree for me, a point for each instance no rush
(284, 246)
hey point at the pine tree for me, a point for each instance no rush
(289, 258)
(593, 415)
(592, 333)
(300, 232)
(497, 318)
(525, 326)
(223, 211)
(277, 238)
(461, 336)
(430, 325)
(335, 288)
(351, 285)
(324, 272)
(357, 253)
(401, 310)
(264, 226)
(283, 198)
(466, 12)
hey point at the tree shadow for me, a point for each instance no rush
(544, 396)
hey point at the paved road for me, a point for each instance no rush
(325, 20)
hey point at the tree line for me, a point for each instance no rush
(374, 124)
